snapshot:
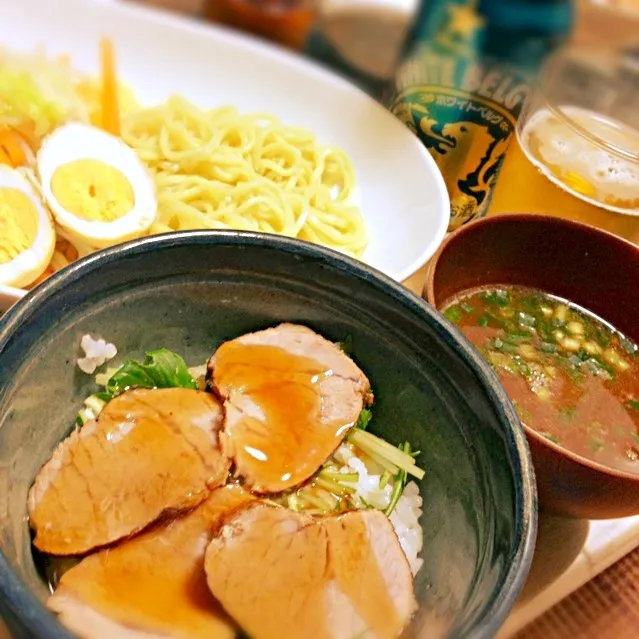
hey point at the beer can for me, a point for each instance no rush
(468, 70)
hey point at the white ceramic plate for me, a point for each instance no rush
(403, 196)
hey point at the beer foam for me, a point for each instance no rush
(607, 178)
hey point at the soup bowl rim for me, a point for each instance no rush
(526, 218)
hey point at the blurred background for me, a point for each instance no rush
(598, 22)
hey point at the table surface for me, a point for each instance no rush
(608, 605)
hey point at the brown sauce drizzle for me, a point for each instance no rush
(279, 439)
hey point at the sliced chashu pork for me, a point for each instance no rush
(290, 397)
(153, 585)
(279, 573)
(149, 452)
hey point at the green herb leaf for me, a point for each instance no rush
(497, 321)
(399, 484)
(567, 412)
(364, 418)
(518, 338)
(522, 367)
(633, 404)
(595, 444)
(545, 332)
(575, 374)
(482, 321)
(575, 361)
(161, 369)
(453, 314)
(597, 365)
(499, 298)
(508, 348)
(603, 337)
(510, 326)
(105, 397)
(596, 428)
(525, 319)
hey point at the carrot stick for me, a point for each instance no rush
(26, 131)
(110, 106)
(4, 158)
(11, 146)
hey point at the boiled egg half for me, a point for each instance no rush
(96, 187)
(27, 237)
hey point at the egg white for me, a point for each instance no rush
(78, 141)
(28, 265)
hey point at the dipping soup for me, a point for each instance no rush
(571, 376)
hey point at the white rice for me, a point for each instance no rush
(405, 516)
(96, 353)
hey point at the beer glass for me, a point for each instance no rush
(576, 152)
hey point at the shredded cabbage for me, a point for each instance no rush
(23, 100)
(39, 90)
(43, 92)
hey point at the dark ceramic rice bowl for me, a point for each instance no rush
(190, 291)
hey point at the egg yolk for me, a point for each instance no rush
(18, 223)
(92, 190)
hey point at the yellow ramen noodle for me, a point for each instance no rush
(220, 169)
